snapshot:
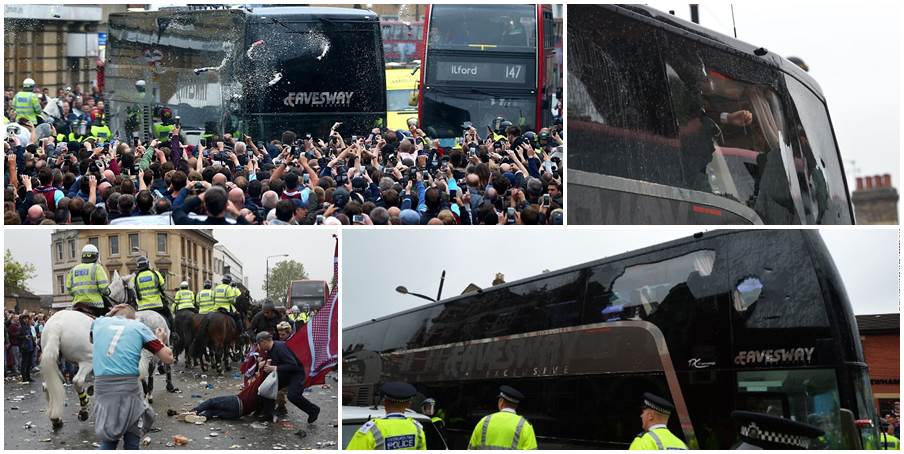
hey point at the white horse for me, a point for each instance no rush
(148, 361)
(67, 334)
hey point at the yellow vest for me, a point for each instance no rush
(205, 301)
(86, 283)
(224, 297)
(887, 441)
(148, 284)
(185, 299)
(391, 432)
(503, 430)
(658, 438)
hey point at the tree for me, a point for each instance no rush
(15, 274)
(280, 276)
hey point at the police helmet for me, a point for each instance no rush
(89, 253)
(208, 284)
(762, 431)
(398, 392)
(227, 279)
(28, 83)
(497, 125)
(143, 263)
(183, 285)
(543, 138)
(531, 138)
(505, 125)
(306, 307)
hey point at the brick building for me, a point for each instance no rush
(875, 200)
(880, 335)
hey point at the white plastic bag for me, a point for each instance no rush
(269, 387)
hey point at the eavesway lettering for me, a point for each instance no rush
(775, 356)
(318, 98)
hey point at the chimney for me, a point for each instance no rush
(875, 200)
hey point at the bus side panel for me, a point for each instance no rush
(603, 206)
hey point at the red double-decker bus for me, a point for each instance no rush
(403, 41)
(486, 61)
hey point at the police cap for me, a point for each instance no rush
(397, 391)
(772, 432)
(510, 394)
(657, 404)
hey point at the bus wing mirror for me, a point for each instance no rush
(412, 99)
(850, 434)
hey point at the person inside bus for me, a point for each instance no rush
(654, 417)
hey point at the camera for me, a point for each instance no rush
(358, 219)
(425, 175)
(453, 193)
(510, 215)
(547, 199)
(177, 121)
(319, 220)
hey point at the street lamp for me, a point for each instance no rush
(401, 289)
(439, 294)
(267, 282)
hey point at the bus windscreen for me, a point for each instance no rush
(493, 28)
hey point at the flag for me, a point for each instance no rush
(317, 345)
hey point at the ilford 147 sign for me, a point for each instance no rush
(483, 72)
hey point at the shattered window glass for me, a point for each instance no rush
(746, 293)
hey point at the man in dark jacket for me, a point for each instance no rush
(290, 373)
(217, 205)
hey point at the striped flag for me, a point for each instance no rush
(317, 345)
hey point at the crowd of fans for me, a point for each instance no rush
(22, 344)
(322, 177)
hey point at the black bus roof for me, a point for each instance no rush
(713, 38)
(624, 255)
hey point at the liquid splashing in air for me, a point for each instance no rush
(276, 78)
(321, 42)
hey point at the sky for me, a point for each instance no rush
(853, 51)
(313, 248)
(866, 258)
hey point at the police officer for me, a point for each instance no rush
(100, 131)
(87, 283)
(149, 285)
(164, 128)
(185, 299)
(428, 407)
(26, 102)
(205, 298)
(394, 430)
(762, 431)
(654, 416)
(887, 439)
(224, 295)
(504, 429)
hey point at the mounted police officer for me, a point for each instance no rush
(224, 295)
(654, 416)
(26, 102)
(87, 283)
(185, 299)
(504, 429)
(394, 430)
(149, 285)
(206, 303)
(762, 431)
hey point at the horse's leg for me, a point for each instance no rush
(150, 388)
(169, 379)
(84, 368)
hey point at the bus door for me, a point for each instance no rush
(583, 384)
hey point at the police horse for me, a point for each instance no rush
(66, 335)
(218, 336)
(149, 361)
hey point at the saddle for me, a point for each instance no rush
(85, 310)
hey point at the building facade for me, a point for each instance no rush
(880, 335)
(179, 255)
(225, 262)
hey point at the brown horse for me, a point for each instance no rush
(218, 335)
(185, 326)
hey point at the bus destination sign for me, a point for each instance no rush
(484, 72)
